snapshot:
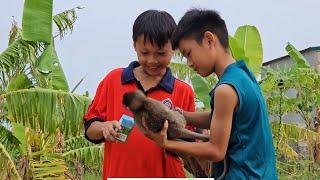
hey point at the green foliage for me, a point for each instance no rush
(303, 82)
(20, 81)
(7, 167)
(9, 141)
(37, 20)
(41, 118)
(299, 59)
(302, 169)
(65, 21)
(78, 148)
(51, 70)
(202, 88)
(47, 110)
(246, 45)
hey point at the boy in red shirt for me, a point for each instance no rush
(138, 156)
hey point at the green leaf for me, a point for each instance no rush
(45, 61)
(182, 70)
(248, 38)
(58, 80)
(300, 60)
(37, 20)
(18, 50)
(8, 140)
(48, 110)
(287, 151)
(295, 132)
(49, 64)
(65, 21)
(8, 169)
(20, 81)
(237, 52)
(15, 33)
(89, 155)
(202, 88)
(18, 131)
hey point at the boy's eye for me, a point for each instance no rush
(188, 54)
(144, 53)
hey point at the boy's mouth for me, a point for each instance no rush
(154, 68)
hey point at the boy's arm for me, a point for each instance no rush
(198, 119)
(97, 129)
(225, 103)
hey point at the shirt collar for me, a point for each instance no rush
(167, 81)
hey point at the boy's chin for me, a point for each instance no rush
(157, 72)
(202, 74)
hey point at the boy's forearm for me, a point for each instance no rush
(94, 131)
(204, 150)
(198, 119)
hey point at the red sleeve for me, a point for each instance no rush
(98, 107)
(190, 107)
(191, 102)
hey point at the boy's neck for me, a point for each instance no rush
(222, 63)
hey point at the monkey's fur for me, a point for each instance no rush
(155, 113)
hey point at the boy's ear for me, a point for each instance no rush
(210, 38)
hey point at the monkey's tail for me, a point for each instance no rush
(185, 133)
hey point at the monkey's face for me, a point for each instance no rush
(133, 100)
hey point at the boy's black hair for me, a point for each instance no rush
(196, 22)
(156, 27)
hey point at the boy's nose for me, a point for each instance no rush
(153, 61)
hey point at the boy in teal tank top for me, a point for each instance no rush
(238, 121)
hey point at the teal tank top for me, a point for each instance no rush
(250, 152)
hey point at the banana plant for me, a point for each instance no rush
(305, 82)
(246, 45)
(35, 99)
(8, 169)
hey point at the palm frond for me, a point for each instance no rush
(90, 155)
(17, 51)
(19, 81)
(182, 71)
(50, 69)
(81, 149)
(15, 32)
(287, 151)
(202, 89)
(49, 167)
(48, 110)
(8, 169)
(65, 21)
(76, 142)
(294, 132)
(8, 140)
(37, 21)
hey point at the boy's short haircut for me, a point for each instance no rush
(196, 22)
(156, 27)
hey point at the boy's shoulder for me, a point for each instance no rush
(180, 84)
(113, 75)
(115, 72)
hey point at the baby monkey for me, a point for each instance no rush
(155, 113)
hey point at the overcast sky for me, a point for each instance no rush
(102, 41)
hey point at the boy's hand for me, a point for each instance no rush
(161, 137)
(109, 130)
